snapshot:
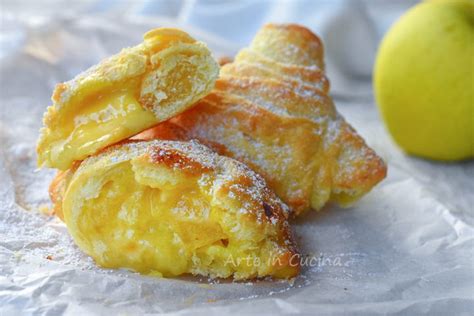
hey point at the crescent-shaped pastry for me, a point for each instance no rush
(125, 94)
(271, 110)
(170, 208)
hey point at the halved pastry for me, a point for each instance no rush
(271, 110)
(125, 94)
(171, 208)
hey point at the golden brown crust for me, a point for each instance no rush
(172, 158)
(163, 131)
(290, 44)
(259, 138)
(223, 60)
(249, 63)
(271, 109)
(56, 192)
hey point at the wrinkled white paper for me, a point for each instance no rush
(405, 248)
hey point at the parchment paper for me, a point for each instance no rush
(405, 248)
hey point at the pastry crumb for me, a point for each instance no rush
(46, 209)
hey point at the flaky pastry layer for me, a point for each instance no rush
(271, 110)
(125, 94)
(170, 208)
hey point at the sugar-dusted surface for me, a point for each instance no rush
(148, 192)
(406, 248)
(217, 172)
(284, 124)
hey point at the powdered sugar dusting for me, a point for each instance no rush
(280, 78)
(228, 174)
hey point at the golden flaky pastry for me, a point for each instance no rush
(271, 110)
(169, 208)
(125, 94)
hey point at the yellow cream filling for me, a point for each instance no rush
(106, 120)
(96, 118)
(162, 225)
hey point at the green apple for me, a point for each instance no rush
(424, 80)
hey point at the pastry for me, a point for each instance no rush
(125, 94)
(271, 110)
(170, 208)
